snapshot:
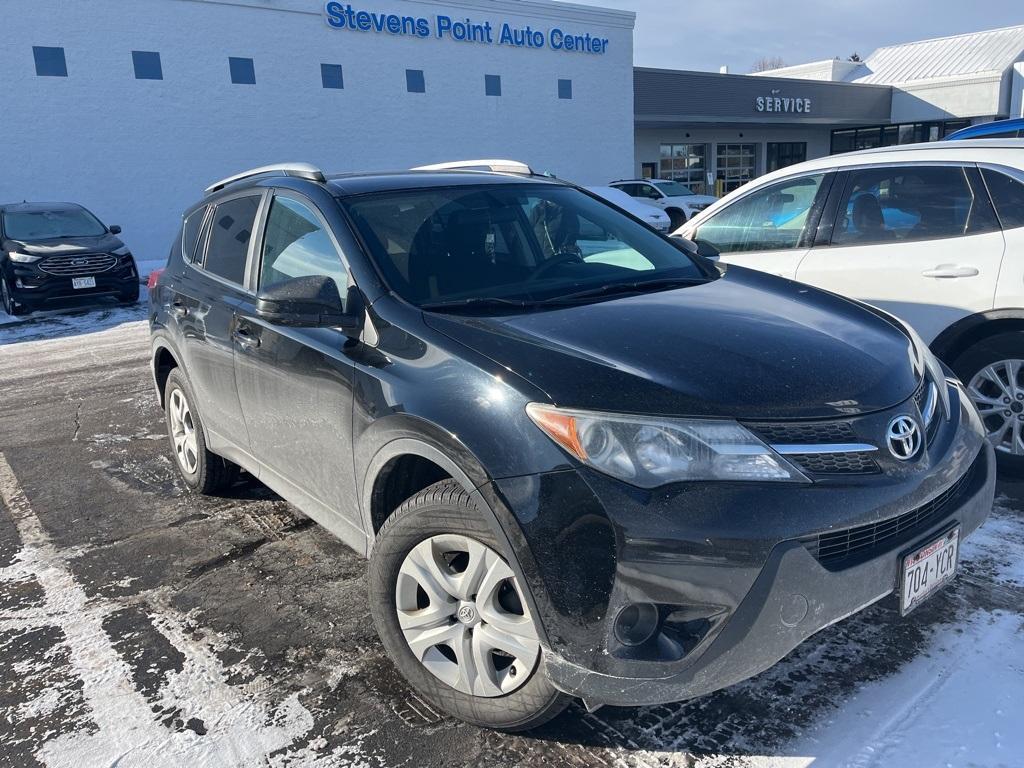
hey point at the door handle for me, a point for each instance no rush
(245, 338)
(178, 308)
(951, 270)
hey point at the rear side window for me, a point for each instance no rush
(907, 203)
(1008, 197)
(230, 233)
(190, 234)
(771, 219)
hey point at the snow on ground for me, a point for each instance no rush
(73, 320)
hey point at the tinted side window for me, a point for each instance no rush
(1008, 196)
(230, 233)
(633, 190)
(296, 245)
(190, 233)
(771, 219)
(902, 204)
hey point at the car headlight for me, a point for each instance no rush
(23, 258)
(649, 452)
(929, 365)
(122, 251)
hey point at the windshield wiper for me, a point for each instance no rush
(638, 286)
(479, 301)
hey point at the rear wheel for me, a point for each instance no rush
(452, 615)
(676, 217)
(11, 307)
(202, 471)
(993, 370)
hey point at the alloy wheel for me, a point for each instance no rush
(998, 392)
(183, 432)
(462, 613)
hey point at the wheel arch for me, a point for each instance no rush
(968, 331)
(164, 359)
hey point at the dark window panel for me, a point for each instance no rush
(414, 81)
(243, 71)
(147, 65)
(492, 85)
(332, 76)
(565, 89)
(50, 62)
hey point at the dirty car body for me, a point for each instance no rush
(439, 371)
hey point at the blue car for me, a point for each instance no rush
(996, 129)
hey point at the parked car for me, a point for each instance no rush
(678, 200)
(933, 233)
(51, 252)
(630, 480)
(995, 129)
(648, 213)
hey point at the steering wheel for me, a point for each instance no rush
(564, 257)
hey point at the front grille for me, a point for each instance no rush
(77, 265)
(805, 434)
(836, 548)
(859, 463)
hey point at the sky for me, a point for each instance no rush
(704, 35)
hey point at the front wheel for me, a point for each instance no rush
(676, 218)
(10, 306)
(993, 370)
(452, 616)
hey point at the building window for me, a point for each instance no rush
(147, 65)
(414, 81)
(332, 76)
(685, 163)
(783, 153)
(243, 71)
(565, 89)
(871, 136)
(492, 85)
(735, 167)
(50, 62)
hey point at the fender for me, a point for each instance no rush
(968, 330)
(438, 446)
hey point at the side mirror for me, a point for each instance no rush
(310, 302)
(115, 229)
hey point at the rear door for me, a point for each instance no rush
(769, 229)
(203, 301)
(295, 384)
(918, 240)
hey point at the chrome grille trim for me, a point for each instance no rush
(77, 265)
(812, 448)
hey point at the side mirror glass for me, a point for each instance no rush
(310, 302)
(115, 229)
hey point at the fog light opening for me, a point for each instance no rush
(637, 623)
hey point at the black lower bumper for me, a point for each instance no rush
(38, 290)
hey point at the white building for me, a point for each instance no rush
(131, 107)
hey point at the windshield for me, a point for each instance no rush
(48, 225)
(673, 188)
(509, 243)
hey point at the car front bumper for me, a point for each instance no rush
(727, 566)
(34, 288)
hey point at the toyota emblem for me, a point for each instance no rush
(904, 438)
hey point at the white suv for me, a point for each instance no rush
(933, 233)
(678, 200)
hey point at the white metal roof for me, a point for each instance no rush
(959, 56)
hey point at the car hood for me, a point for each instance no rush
(747, 346)
(66, 245)
(695, 200)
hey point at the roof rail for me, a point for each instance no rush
(298, 170)
(499, 166)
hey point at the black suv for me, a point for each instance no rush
(50, 252)
(582, 460)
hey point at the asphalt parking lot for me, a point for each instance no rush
(142, 625)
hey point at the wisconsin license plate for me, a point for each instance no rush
(83, 282)
(927, 569)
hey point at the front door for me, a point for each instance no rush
(295, 384)
(919, 241)
(770, 229)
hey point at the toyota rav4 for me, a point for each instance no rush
(583, 461)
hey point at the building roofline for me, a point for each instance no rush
(783, 80)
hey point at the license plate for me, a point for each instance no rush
(83, 282)
(927, 569)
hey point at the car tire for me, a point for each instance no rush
(203, 471)
(676, 218)
(986, 369)
(129, 297)
(10, 306)
(445, 513)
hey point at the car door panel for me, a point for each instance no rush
(930, 282)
